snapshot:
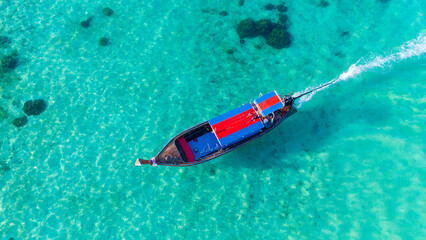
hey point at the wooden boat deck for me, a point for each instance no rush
(170, 155)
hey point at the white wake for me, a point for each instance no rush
(415, 47)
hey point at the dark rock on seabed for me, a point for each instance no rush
(9, 62)
(275, 34)
(4, 167)
(20, 122)
(247, 28)
(339, 54)
(107, 11)
(34, 107)
(344, 34)
(264, 27)
(279, 38)
(103, 41)
(4, 41)
(282, 8)
(323, 4)
(223, 13)
(269, 6)
(241, 3)
(283, 19)
(86, 23)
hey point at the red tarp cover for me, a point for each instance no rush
(236, 125)
(188, 152)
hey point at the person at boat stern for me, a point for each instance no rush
(268, 121)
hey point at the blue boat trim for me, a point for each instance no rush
(230, 114)
(273, 108)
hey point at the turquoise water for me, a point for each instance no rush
(349, 165)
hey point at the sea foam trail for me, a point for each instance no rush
(415, 47)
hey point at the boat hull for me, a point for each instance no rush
(172, 153)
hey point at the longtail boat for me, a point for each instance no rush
(224, 133)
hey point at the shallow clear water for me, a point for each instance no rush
(349, 165)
